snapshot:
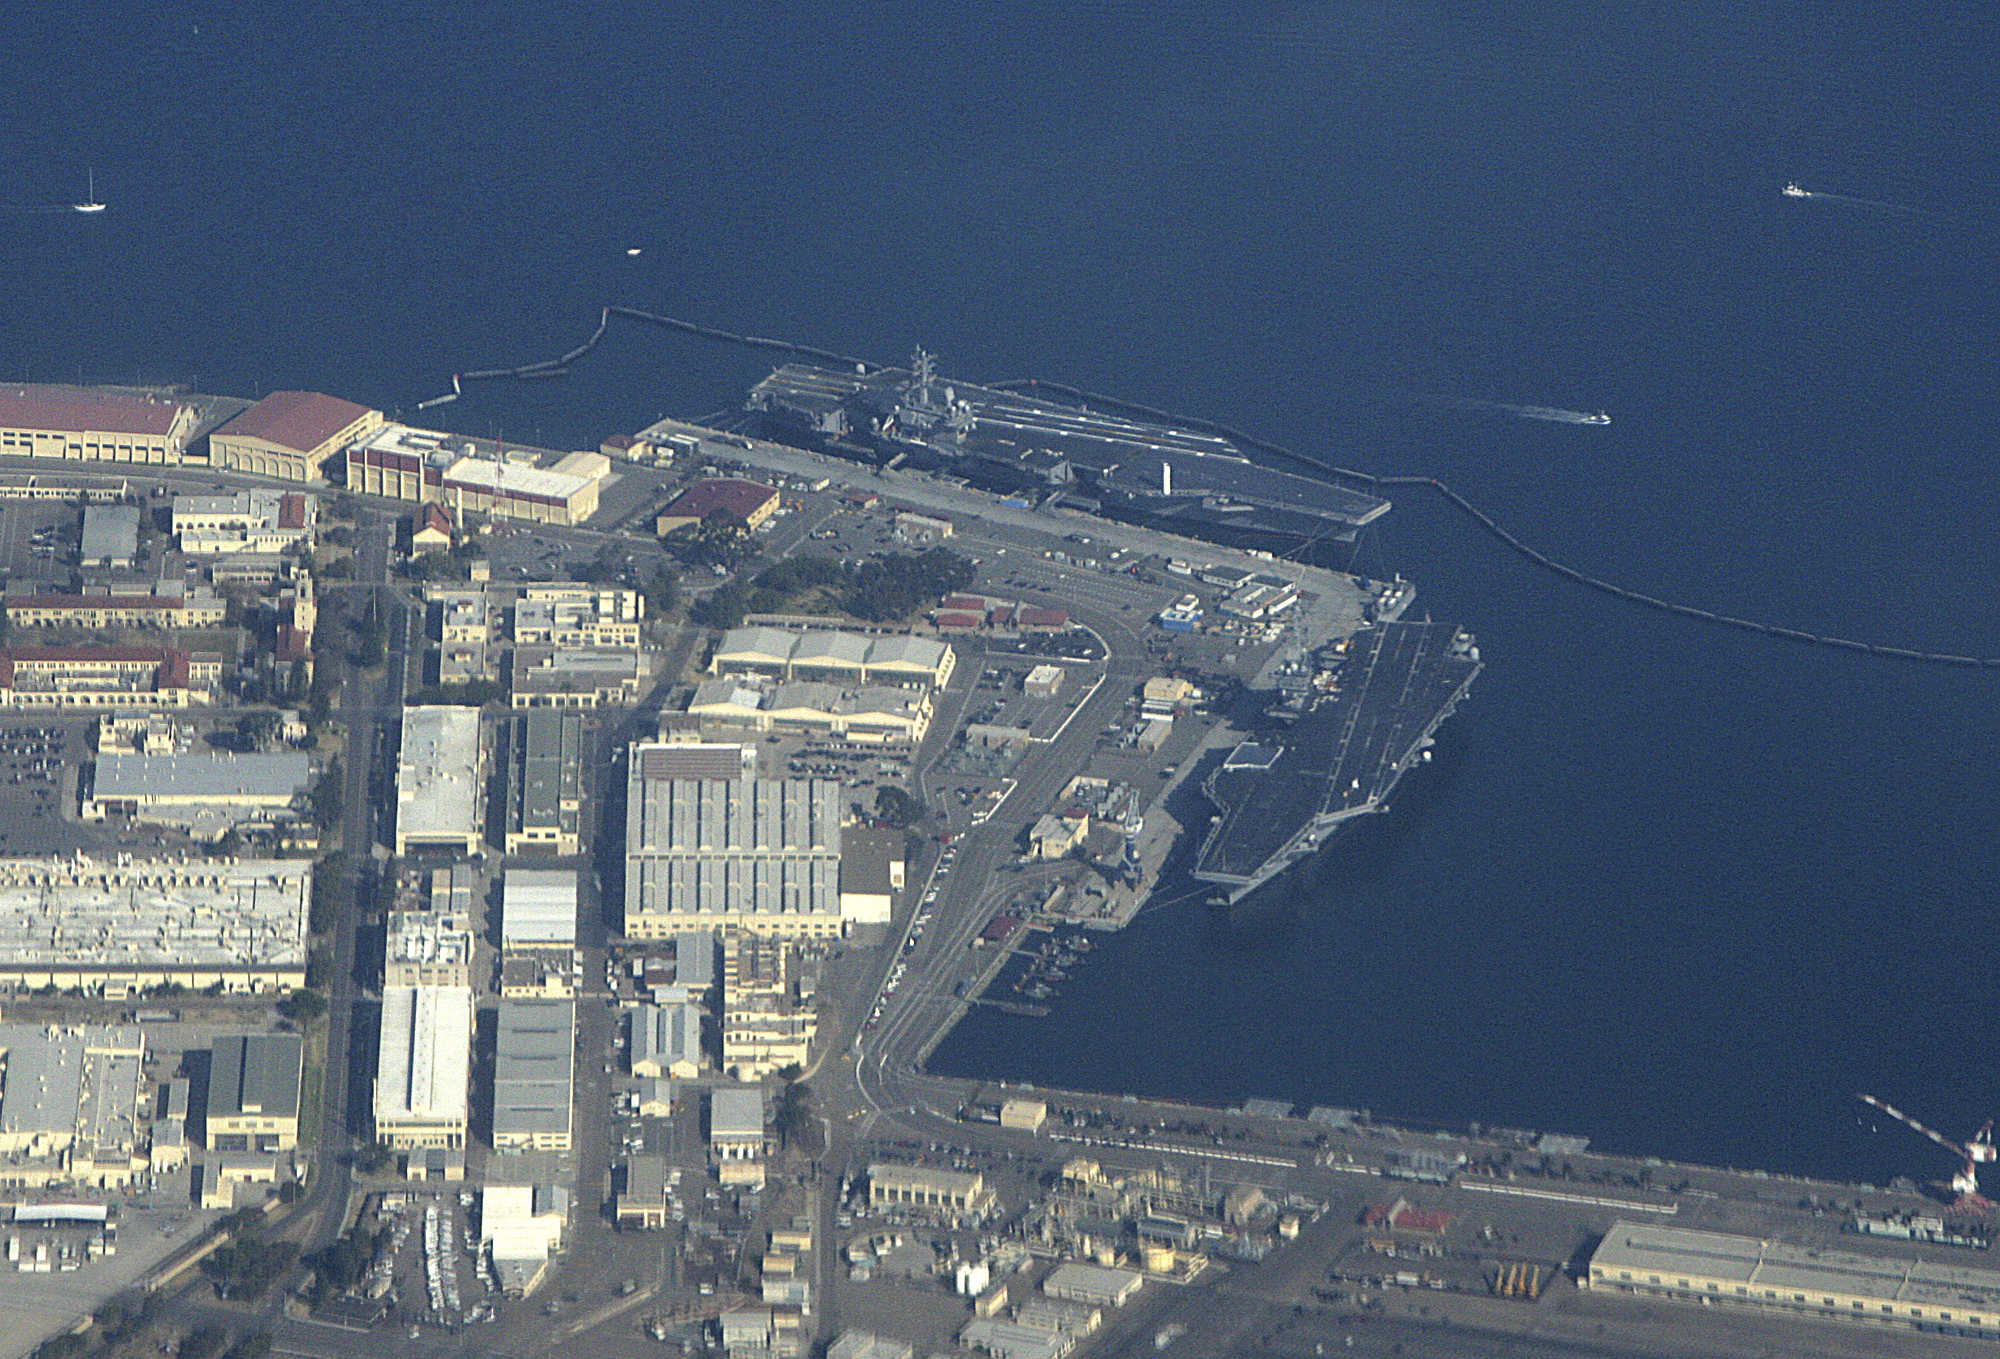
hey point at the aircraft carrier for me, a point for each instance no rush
(1020, 445)
(1361, 716)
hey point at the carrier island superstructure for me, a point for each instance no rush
(1350, 717)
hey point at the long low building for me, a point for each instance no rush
(534, 1075)
(116, 928)
(256, 520)
(206, 794)
(438, 803)
(1681, 1264)
(876, 713)
(577, 677)
(928, 1191)
(423, 1066)
(201, 608)
(81, 423)
(833, 656)
(106, 677)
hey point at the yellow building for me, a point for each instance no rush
(290, 435)
(81, 423)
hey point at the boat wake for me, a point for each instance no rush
(1867, 204)
(1556, 414)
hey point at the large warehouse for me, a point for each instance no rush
(423, 1065)
(851, 658)
(114, 929)
(204, 794)
(41, 421)
(471, 474)
(755, 854)
(545, 783)
(69, 1106)
(1710, 1268)
(534, 1074)
(438, 803)
(290, 435)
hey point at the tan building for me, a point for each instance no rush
(82, 423)
(201, 608)
(290, 435)
(258, 520)
(69, 1108)
(253, 1092)
(1713, 1269)
(470, 474)
(423, 1067)
(834, 657)
(642, 1203)
(578, 616)
(766, 1024)
(106, 677)
(736, 1134)
(1027, 1115)
(428, 948)
(749, 501)
(941, 1195)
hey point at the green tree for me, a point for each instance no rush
(202, 1342)
(722, 607)
(302, 1006)
(894, 807)
(662, 590)
(329, 795)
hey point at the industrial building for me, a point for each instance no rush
(438, 784)
(768, 1024)
(423, 1064)
(1681, 1264)
(947, 1196)
(106, 677)
(666, 1040)
(749, 501)
(256, 520)
(204, 795)
(45, 421)
(758, 855)
(833, 657)
(521, 1228)
(117, 928)
(290, 435)
(877, 714)
(110, 536)
(69, 1105)
(471, 474)
(545, 784)
(736, 1134)
(253, 1092)
(873, 867)
(534, 1075)
(428, 948)
(1099, 1285)
(577, 677)
(538, 908)
(642, 1203)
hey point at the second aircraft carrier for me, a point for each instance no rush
(1364, 717)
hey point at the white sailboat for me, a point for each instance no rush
(90, 204)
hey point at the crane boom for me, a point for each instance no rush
(1903, 1118)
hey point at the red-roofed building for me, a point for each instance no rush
(617, 446)
(957, 620)
(965, 603)
(41, 421)
(290, 435)
(750, 501)
(1043, 620)
(105, 677)
(430, 529)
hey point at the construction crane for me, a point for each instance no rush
(1977, 1151)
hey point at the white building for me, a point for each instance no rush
(538, 908)
(113, 929)
(205, 795)
(256, 520)
(534, 1074)
(423, 1065)
(521, 1226)
(438, 802)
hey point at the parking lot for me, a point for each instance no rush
(37, 538)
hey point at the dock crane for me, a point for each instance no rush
(1977, 1151)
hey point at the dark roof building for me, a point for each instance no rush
(80, 422)
(253, 1092)
(290, 435)
(750, 501)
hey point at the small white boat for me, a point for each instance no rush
(1794, 191)
(90, 204)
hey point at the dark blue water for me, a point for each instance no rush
(1683, 890)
